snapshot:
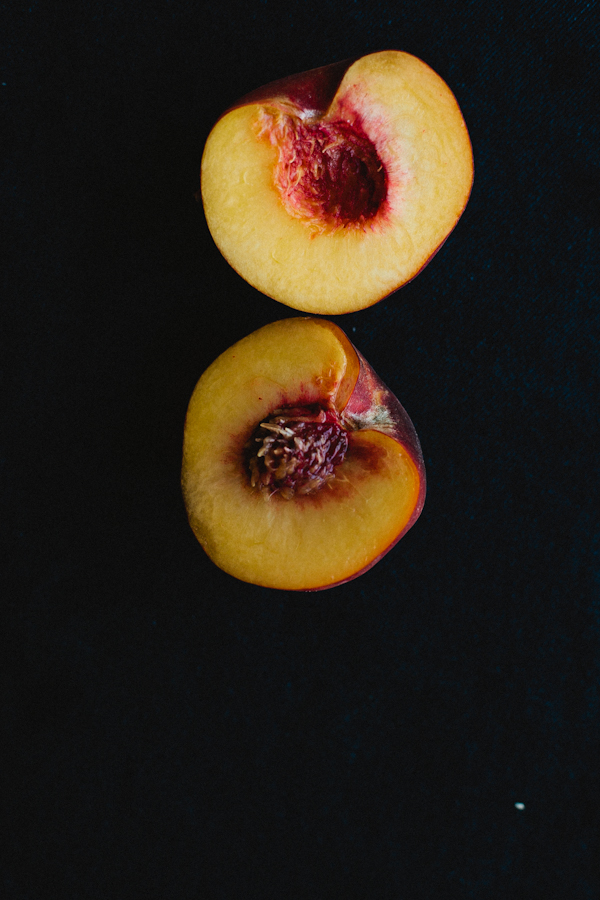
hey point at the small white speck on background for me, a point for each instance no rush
(519, 806)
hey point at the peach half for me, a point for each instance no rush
(300, 467)
(330, 189)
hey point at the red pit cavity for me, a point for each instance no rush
(295, 451)
(328, 173)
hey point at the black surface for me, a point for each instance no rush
(171, 732)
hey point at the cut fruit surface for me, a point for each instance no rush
(330, 209)
(300, 468)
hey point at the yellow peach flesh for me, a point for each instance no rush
(417, 129)
(308, 542)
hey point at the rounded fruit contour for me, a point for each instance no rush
(330, 189)
(300, 467)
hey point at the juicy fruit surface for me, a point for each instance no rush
(393, 138)
(315, 539)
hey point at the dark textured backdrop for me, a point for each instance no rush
(170, 732)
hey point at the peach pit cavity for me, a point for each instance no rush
(295, 451)
(327, 173)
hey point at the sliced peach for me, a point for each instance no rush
(330, 189)
(300, 467)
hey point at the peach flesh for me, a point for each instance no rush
(337, 529)
(401, 141)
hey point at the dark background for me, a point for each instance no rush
(170, 732)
